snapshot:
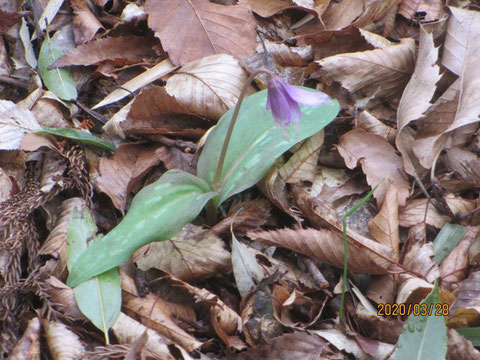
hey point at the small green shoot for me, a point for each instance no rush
(345, 249)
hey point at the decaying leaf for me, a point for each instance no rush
(15, 123)
(193, 254)
(202, 27)
(63, 343)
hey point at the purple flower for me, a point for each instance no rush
(283, 99)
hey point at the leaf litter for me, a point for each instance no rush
(154, 78)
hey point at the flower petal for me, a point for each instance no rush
(279, 104)
(306, 97)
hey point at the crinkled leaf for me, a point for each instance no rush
(158, 211)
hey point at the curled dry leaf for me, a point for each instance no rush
(118, 175)
(193, 254)
(208, 87)
(454, 268)
(417, 95)
(382, 329)
(63, 343)
(55, 245)
(155, 112)
(120, 51)
(420, 210)
(380, 72)
(378, 160)
(202, 27)
(384, 226)
(84, 24)
(285, 55)
(128, 330)
(342, 342)
(28, 347)
(371, 124)
(364, 255)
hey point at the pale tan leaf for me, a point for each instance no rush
(382, 288)
(454, 268)
(378, 160)
(371, 124)
(460, 42)
(113, 126)
(128, 330)
(15, 122)
(417, 94)
(364, 255)
(338, 339)
(193, 254)
(192, 29)
(63, 343)
(285, 55)
(84, 24)
(459, 347)
(379, 72)
(209, 86)
(28, 347)
(384, 226)
(419, 210)
(466, 310)
(432, 9)
(301, 166)
(56, 243)
(156, 72)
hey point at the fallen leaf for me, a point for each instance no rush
(84, 24)
(120, 51)
(380, 72)
(378, 161)
(155, 112)
(208, 87)
(202, 27)
(28, 347)
(193, 254)
(15, 123)
(267, 8)
(364, 255)
(371, 124)
(63, 343)
(466, 310)
(118, 175)
(459, 347)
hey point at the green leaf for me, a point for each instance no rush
(81, 136)
(59, 81)
(100, 298)
(424, 337)
(158, 212)
(472, 334)
(446, 240)
(256, 143)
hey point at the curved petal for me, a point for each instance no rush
(279, 104)
(306, 97)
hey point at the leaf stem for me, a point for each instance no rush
(345, 249)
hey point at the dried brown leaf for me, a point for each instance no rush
(15, 122)
(120, 51)
(209, 86)
(417, 95)
(364, 255)
(378, 160)
(202, 27)
(384, 226)
(118, 175)
(466, 310)
(84, 24)
(371, 124)
(380, 72)
(419, 210)
(193, 254)
(460, 348)
(63, 343)
(155, 112)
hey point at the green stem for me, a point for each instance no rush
(345, 249)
